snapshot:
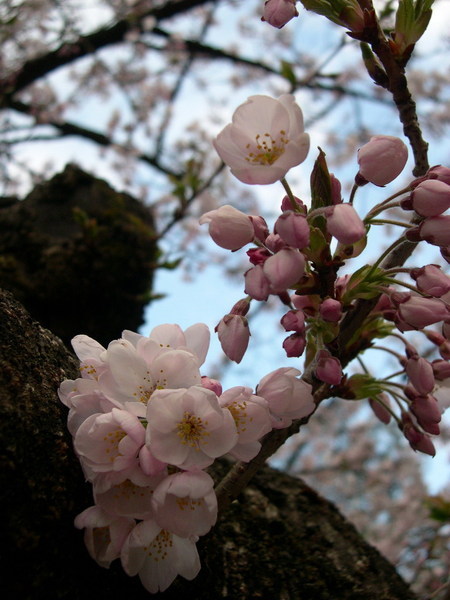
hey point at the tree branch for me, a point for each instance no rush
(67, 53)
(67, 128)
(398, 86)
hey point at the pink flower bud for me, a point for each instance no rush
(440, 173)
(431, 280)
(308, 304)
(294, 320)
(344, 223)
(241, 307)
(274, 242)
(294, 345)
(336, 195)
(427, 411)
(444, 350)
(436, 230)
(293, 229)
(258, 256)
(328, 368)
(419, 312)
(284, 269)
(420, 373)
(441, 369)
(260, 227)
(340, 285)
(229, 228)
(286, 204)
(431, 198)
(435, 337)
(279, 12)
(234, 336)
(378, 409)
(417, 440)
(212, 384)
(331, 310)
(381, 160)
(257, 286)
(445, 253)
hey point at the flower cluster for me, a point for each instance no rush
(299, 259)
(146, 425)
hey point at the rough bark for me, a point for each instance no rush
(279, 540)
(65, 254)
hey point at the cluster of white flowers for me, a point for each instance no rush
(145, 425)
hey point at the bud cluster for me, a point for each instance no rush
(298, 262)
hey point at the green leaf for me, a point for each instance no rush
(287, 72)
(170, 265)
(363, 385)
(411, 21)
(320, 183)
(439, 508)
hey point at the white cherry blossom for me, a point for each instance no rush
(185, 503)
(158, 556)
(265, 139)
(187, 427)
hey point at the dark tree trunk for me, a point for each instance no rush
(79, 255)
(278, 541)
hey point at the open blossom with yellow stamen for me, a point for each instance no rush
(252, 418)
(158, 556)
(132, 376)
(187, 427)
(265, 139)
(185, 503)
(109, 442)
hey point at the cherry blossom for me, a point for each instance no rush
(133, 376)
(288, 396)
(83, 397)
(111, 441)
(91, 355)
(195, 339)
(185, 503)
(188, 428)
(104, 533)
(265, 139)
(158, 556)
(131, 497)
(252, 418)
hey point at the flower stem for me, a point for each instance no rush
(387, 222)
(353, 193)
(289, 194)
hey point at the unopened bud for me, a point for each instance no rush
(381, 160)
(279, 12)
(328, 368)
(294, 345)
